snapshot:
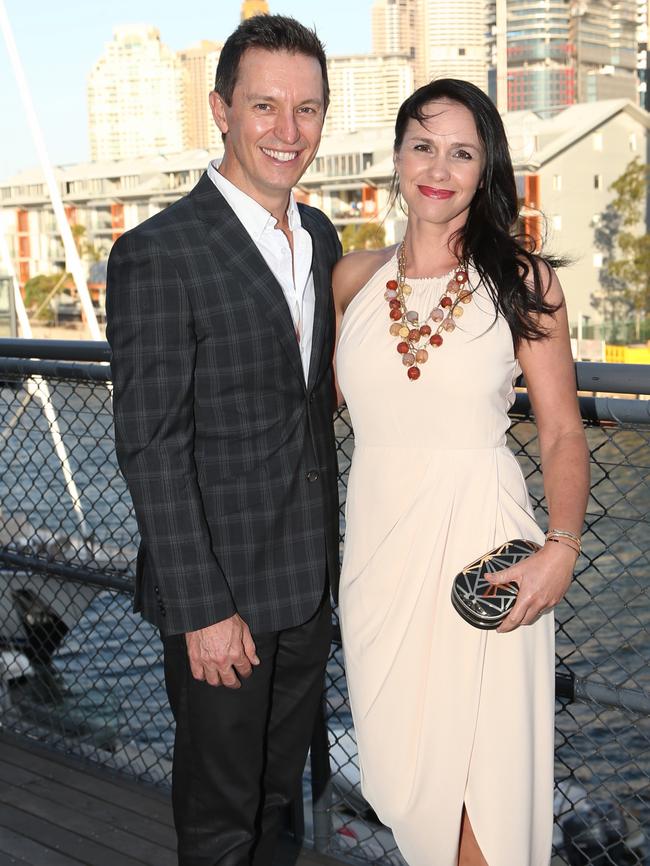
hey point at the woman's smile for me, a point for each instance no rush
(435, 192)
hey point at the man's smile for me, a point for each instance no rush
(281, 155)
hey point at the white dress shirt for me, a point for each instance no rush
(292, 272)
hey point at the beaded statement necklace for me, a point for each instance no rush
(406, 323)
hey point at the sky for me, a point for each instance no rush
(59, 43)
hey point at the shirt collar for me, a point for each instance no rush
(255, 218)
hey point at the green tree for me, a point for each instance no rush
(41, 289)
(85, 248)
(363, 236)
(630, 262)
(611, 298)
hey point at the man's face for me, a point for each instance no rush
(274, 124)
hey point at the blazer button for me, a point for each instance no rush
(313, 475)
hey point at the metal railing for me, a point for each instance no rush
(81, 672)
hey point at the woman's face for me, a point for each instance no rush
(440, 164)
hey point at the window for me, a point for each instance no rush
(598, 181)
(557, 182)
(598, 260)
(632, 141)
(461, 52)
(597, 140)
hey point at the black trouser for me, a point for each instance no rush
(239, 753)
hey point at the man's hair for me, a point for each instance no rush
(273, 33)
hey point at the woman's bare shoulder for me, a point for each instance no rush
(353, 271)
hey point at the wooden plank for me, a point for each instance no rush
(77, 774)
(15, 848)
(71, 844)
(93, 829)
(111, 813)
(49, 786)
(91, 842)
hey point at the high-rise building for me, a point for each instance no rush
(603, 36)
(200, 62)
(394, 29)
(541, 73)
(566, 51)
(254, 7)
(366, 90)
(136, 97)
(440, 39)
(642, 64)
(453, 41)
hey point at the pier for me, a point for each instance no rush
(85, 731)
(57, 810)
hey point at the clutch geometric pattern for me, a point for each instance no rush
(479, 602)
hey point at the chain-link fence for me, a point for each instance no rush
(81, 673)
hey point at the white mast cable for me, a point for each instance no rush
(73, 260)
(37, 387)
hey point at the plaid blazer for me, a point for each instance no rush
(228, 454)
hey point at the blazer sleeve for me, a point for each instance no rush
(150, 330)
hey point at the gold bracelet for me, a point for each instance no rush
(576, 550)
(564, 533)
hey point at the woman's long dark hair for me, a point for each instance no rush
(504, 261)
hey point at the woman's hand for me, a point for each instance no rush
(543, 578)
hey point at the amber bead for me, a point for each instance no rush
(413, 373)
(458, 312)
(465, 296)
(452, 286)
(391, 284)
(395, 329)
(403, 331)
(425, 330)
(394, 304)
(396, 314)
(406, 289)
(448, 325)
(414, 335)
(408, 360)
(436, 340)
(402, 348)
(446, 302)
(421, 356)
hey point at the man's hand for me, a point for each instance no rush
(222, 653)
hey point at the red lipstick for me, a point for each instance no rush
(433, 192)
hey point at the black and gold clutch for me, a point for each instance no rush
(481, 603)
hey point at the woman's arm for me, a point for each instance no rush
(548, 368)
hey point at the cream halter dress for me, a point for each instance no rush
(445, 714)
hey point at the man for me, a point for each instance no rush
(221, 324)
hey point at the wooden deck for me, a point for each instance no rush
(59, 811)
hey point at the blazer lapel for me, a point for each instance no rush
(246, 264)
(322, 289)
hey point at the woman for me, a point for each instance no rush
(454, 724)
